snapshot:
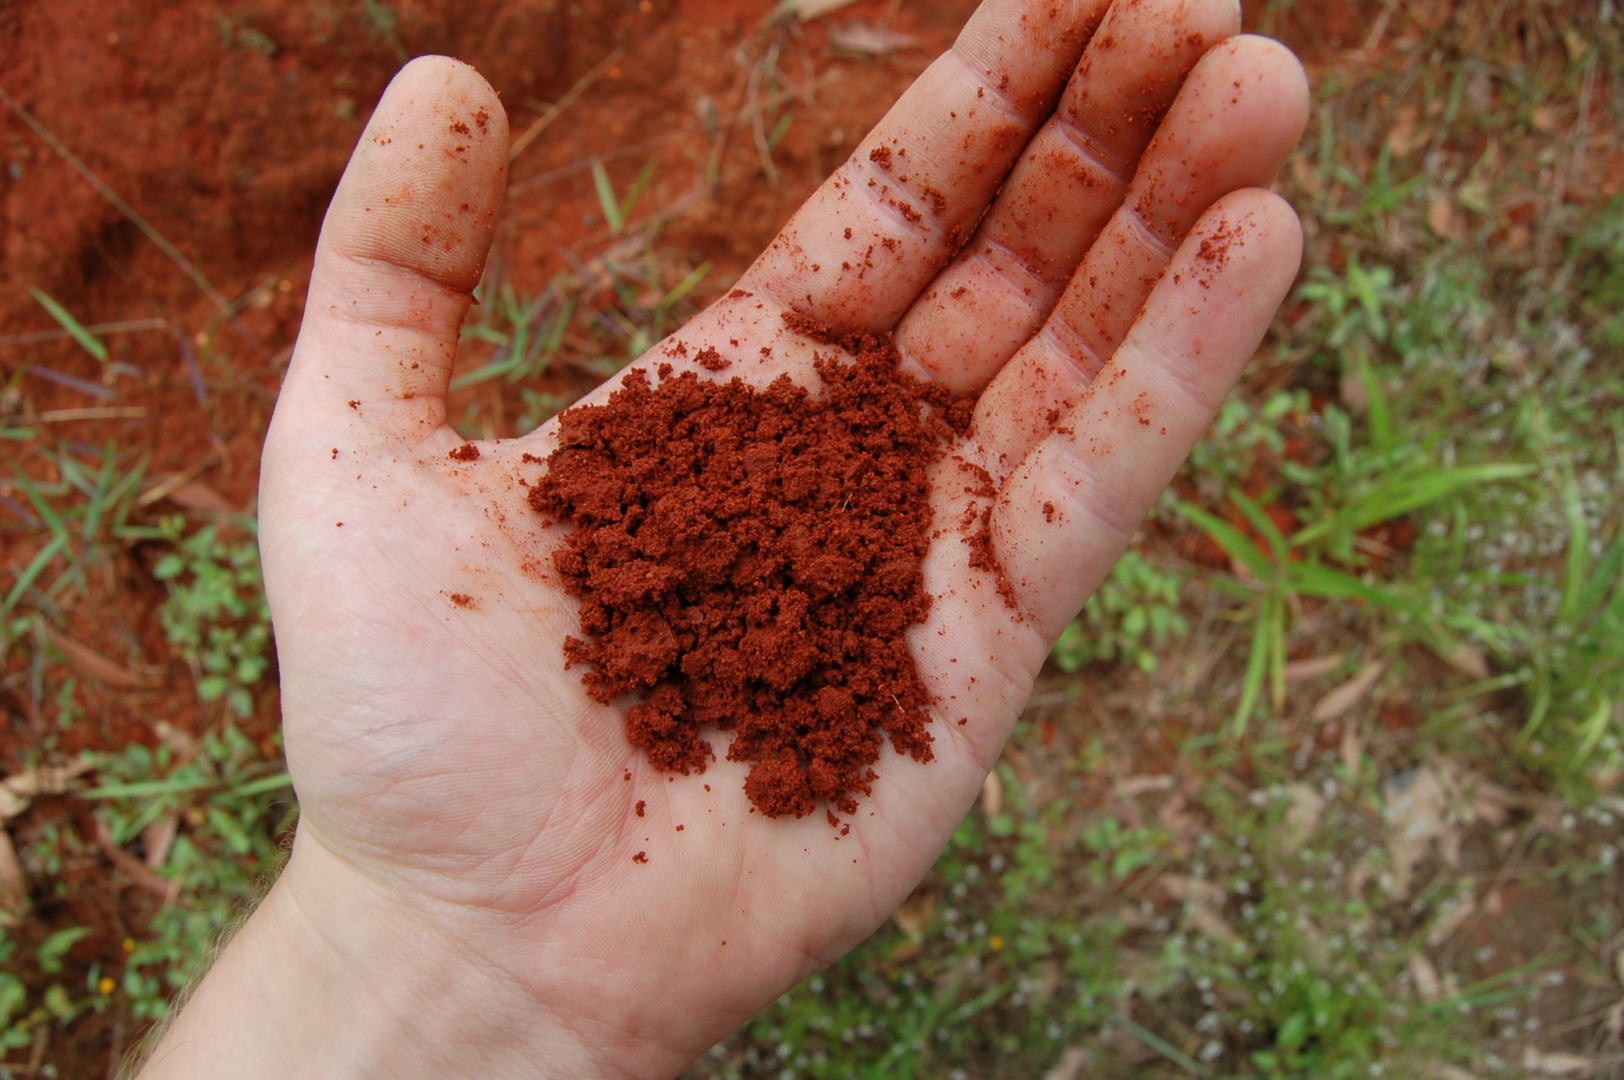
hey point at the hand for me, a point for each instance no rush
(462, 897)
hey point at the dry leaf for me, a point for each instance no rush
(807, 10)
(1452, 917)
(1302, 817)
(1183, 889)
(1302, 670)
(1134, 917)
(159, 837)
(19, 789)
(1212, 924)
(1352, 751)
(1130, 786)
(862, 39)
(1174, 818)
(93, 665)
(1070, 1065)
(1202, 900)
(1430, 806)
(1450, 1072)
(1353, 391)
(1470, 660)
(196, 495)
(1417, 815)
(13, 885)
(11, 803)
(180, 743)
(1348, 695)
(1441, 217)
(134, 867)
(1557, 1064)
(1425, 977)
(992, 795)
(1305, 174)
(913, 913)
(1406, 133)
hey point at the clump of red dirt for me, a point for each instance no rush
(749, 560)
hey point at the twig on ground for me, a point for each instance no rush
(556, 109)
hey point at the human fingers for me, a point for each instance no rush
(996, 293)
(1238, 117)
(401, 249)
(861, 248)
(1068, 509)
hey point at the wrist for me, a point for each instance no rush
(332, 976)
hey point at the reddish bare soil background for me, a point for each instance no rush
(225, 124)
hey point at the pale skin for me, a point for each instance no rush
(462, 898)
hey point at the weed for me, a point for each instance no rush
(79, 515)
(222, 800)
(76, 330)
(1132, 616)
(216, 614)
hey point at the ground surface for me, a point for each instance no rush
(223, 125)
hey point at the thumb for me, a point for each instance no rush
(402, 248)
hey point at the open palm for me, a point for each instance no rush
(1063, 229)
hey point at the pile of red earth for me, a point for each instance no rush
(750, 560)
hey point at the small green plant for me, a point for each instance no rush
(226, 803)
(1132, 616)
(78, 515)
(216, 614)
(617, 209)
(55, 1004)
(76, 330)
(595, 318)
(526, 334)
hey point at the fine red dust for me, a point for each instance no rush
(749, 561)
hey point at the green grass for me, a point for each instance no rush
(586, 324)
(1422, 472)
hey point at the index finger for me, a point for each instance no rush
(863, 246)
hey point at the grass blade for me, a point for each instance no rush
(1378, 416)
(1262, 523)
(682, 288)
(1405, 491)
(1158, 1044)
(33, 570)
(1256, 666)
(633, 193)
(1311, 579)
(1234, 542)
(143, 788)
(1592, 730)
(606, 197)
(262, 785)
(76, 330)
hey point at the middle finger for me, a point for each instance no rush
(1071, 178)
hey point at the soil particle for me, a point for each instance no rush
(749, 561)
(711, 360)
(465, 452)
(881, 156)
